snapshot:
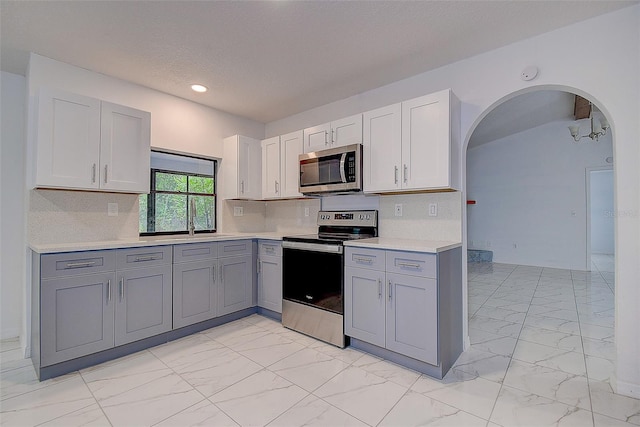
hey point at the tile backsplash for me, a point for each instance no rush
(60, 216)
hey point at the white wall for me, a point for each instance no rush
(602, 208)
(12, 113)
(530, 190)
(612, 82)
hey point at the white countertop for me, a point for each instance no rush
(150, 241)
(413, 245)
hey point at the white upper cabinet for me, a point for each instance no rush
(280, 166)
(423, 155)
(271, 168)
(241, 167)
(335, 134)
(87, 144)
(68, 141)
(381, 155)
(124, 149)
(430, 145)
(290, 149)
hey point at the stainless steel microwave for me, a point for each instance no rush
(336, 170)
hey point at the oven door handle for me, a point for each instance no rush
(316, 247)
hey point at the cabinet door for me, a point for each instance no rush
(412, 317)
(194, 292)
(426, 142)
(364, 305)
(317, 138)
(234, 287)
(270, 283)
(290, 149)
(76, 316)
(271, 168)
(143, 306)
(381, 151)
(249, 168)
(347, 131)
(68, 141)
(124, 149)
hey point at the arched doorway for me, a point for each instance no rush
(537, 295)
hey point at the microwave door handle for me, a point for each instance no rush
(343, 160)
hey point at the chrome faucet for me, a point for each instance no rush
(192, 217)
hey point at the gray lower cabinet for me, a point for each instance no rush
(143, 307)
(408, 303)
(412, 317)
(236, 284)
(270, 275)
(95, 300)
(365, 305)
(76, 316)
(195, 293)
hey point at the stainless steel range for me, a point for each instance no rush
(313, 274)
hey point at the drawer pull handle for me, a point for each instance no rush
(363, 260)
(390, 289)
(269, 248)
(93, 174)
(108, 291)
(405, 174)
(145, 258)
(396, 174)
(379, 289)
(121, 289)
(213, 273)
(408, 265)
(80, 264)
(106, 173)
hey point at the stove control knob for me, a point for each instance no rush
(368, 216)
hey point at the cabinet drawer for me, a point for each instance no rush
(235, 247)
(270, 248)
(76, 263)
(412, 263)
(373, 259)
(195, 252)
(141, 257)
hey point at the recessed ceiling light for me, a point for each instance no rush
(199, 88)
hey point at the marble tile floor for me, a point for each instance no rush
(541, 354)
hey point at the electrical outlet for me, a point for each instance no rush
(238, 211)
(112, 209)
(433, 209)
(398, 209)
(306, 211)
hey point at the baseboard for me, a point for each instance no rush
(628, 389)
(7, 334)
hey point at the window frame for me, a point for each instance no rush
(152, 193)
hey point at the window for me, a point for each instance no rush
(178, 184)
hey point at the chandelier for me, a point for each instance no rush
(598, 128)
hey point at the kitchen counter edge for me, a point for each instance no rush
(51, 248)
(412, 245)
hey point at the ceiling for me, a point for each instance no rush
(521, 113)
(266, 60)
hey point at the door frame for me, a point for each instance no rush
(588, 171)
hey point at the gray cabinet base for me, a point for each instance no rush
(400, 359)
(270, 314)
(58, 369)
